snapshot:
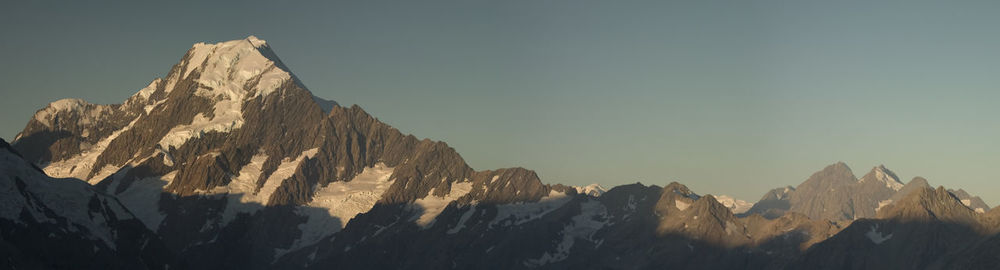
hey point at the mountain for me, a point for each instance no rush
(774, 203)
(917, 232)
(229, 142)
(835, 194)
(230, 162)
(826, 194)
(974, 202)
(66, 223)
(982, 254)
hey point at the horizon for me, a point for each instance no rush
(726, 100)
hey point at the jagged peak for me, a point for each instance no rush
(226, 67)
(916, 184)
(680, 189)
(833, 175)
(918, 181)
(781, 193)
(929, 204)
(256, 42)
(885, 176)
(628, 188)
(68, 104)
(709, 205)
(838, 166)
(45, 115)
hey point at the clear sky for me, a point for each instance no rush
(727, 97)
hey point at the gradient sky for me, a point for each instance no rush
(727, 97)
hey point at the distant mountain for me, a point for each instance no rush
(835, 194)
(774, 203)
(229, 162)
(736, 205)
(592, 190)
(974, 202)
(918, 232)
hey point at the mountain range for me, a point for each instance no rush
(230, 162)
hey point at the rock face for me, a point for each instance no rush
(65, 223)
(229, 162)
(974, 202)
(774, 203)
(918, 232)
(835, 194)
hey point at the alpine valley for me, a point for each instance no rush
(229, 162)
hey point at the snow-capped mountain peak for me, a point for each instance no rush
(45, 115)
(229, 73)
(593, 190)
(736, 205)
(884, 175)
(227, 67)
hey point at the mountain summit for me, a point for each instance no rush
(230, 140)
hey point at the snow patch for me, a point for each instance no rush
(244, 197)
(433, 205)
(681, 205)
(631, 205)
(334, 205)
(228, 116)
(142, 197)
(69, 104)
(147, 91)
(876, 236)
(883, 175)
(461, 221)
(80, 166)
(593, 216)
(967, 202)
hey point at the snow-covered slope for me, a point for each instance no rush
(55, 223)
